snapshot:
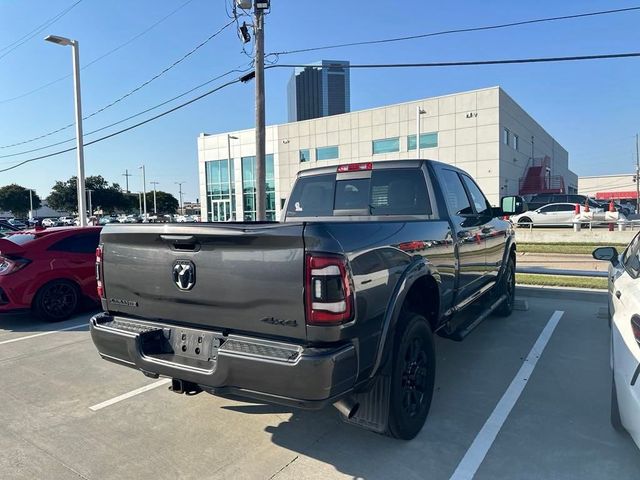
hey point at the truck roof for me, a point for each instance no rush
(381, 164)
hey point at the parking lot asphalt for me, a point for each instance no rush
(502, 409)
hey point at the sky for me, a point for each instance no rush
(591, 108)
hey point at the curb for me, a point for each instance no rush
(569, 293)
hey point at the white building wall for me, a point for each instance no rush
(469, 127)
(590, 186)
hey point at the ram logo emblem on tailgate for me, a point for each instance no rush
(184, 274)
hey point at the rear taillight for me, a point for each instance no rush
(100, 287)
(328, 294)
(635, 326)
(9, 265)
(355, 167)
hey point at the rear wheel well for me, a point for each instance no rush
(424, 299)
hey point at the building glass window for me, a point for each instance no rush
(327, 153)
(221, 201)
(249, 188)
(427, 140)
(388, 145)
(516, 142)
(505, 136)
(305, 155)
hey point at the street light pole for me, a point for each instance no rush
(75, 47)
(155, 209)
(144, 192)
(637, 176)
(90, 204)
(180, 187)
(30, 204)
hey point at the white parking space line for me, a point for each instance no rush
(476, 453)
(130, 394)
(48, 332)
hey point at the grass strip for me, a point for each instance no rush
(564, 248)
(561, 281)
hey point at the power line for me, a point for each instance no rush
(139, 124)
(459, 30)
(471, 63)
(397, 65)
(7, 49)
(197, 87)
(131, 92)
(104, 55)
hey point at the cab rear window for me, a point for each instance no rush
(387, 192)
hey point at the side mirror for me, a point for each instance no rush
(610, 254)
(513, 205)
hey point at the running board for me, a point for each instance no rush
(466, 328)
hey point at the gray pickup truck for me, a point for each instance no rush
(337, 304)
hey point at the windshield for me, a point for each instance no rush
(21, 238)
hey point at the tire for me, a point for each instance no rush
(616, 421)
(412, 378)
(507, 284)
(56, 300)
(524, 221)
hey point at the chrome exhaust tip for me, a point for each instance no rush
(347, 406)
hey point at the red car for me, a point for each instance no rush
(50, 271)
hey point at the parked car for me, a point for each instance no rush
(338, 304)
(49, 271)
(49, 222)
(553, 214)
(6, 228)
(624, 319)
(66, 221)
(542, 199)
(17, 223)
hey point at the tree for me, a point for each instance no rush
(165, 202)
(15, 198)
(105, 197)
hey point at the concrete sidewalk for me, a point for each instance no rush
(557, 261)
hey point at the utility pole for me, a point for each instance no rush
(261, 195)
(126, 175)
(637, 176)
(180, 187)
(155, 208)
(140, 202)
(144, 192)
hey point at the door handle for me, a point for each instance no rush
(618, 294)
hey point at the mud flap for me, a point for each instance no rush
(373, 413)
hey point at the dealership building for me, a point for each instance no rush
(606, 187)
(484, 132)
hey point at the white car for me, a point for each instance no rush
(66, 221)
(49, 222)
(624, 315)
(551, 214)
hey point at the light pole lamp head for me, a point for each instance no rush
(59, 40)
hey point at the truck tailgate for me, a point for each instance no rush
(248, 277)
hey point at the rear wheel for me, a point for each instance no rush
(507, 286)
(524, 222)
(616, 421)
(412, 378)
(57, 300)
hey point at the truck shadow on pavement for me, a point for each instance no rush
(27, 322)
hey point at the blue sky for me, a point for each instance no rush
(591, 108)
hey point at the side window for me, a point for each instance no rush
(352, 194)
(631, 257)
(77, 244)
(548, 208)
(479, 201)
(454, 193)
(566, 207)
(399, 192)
